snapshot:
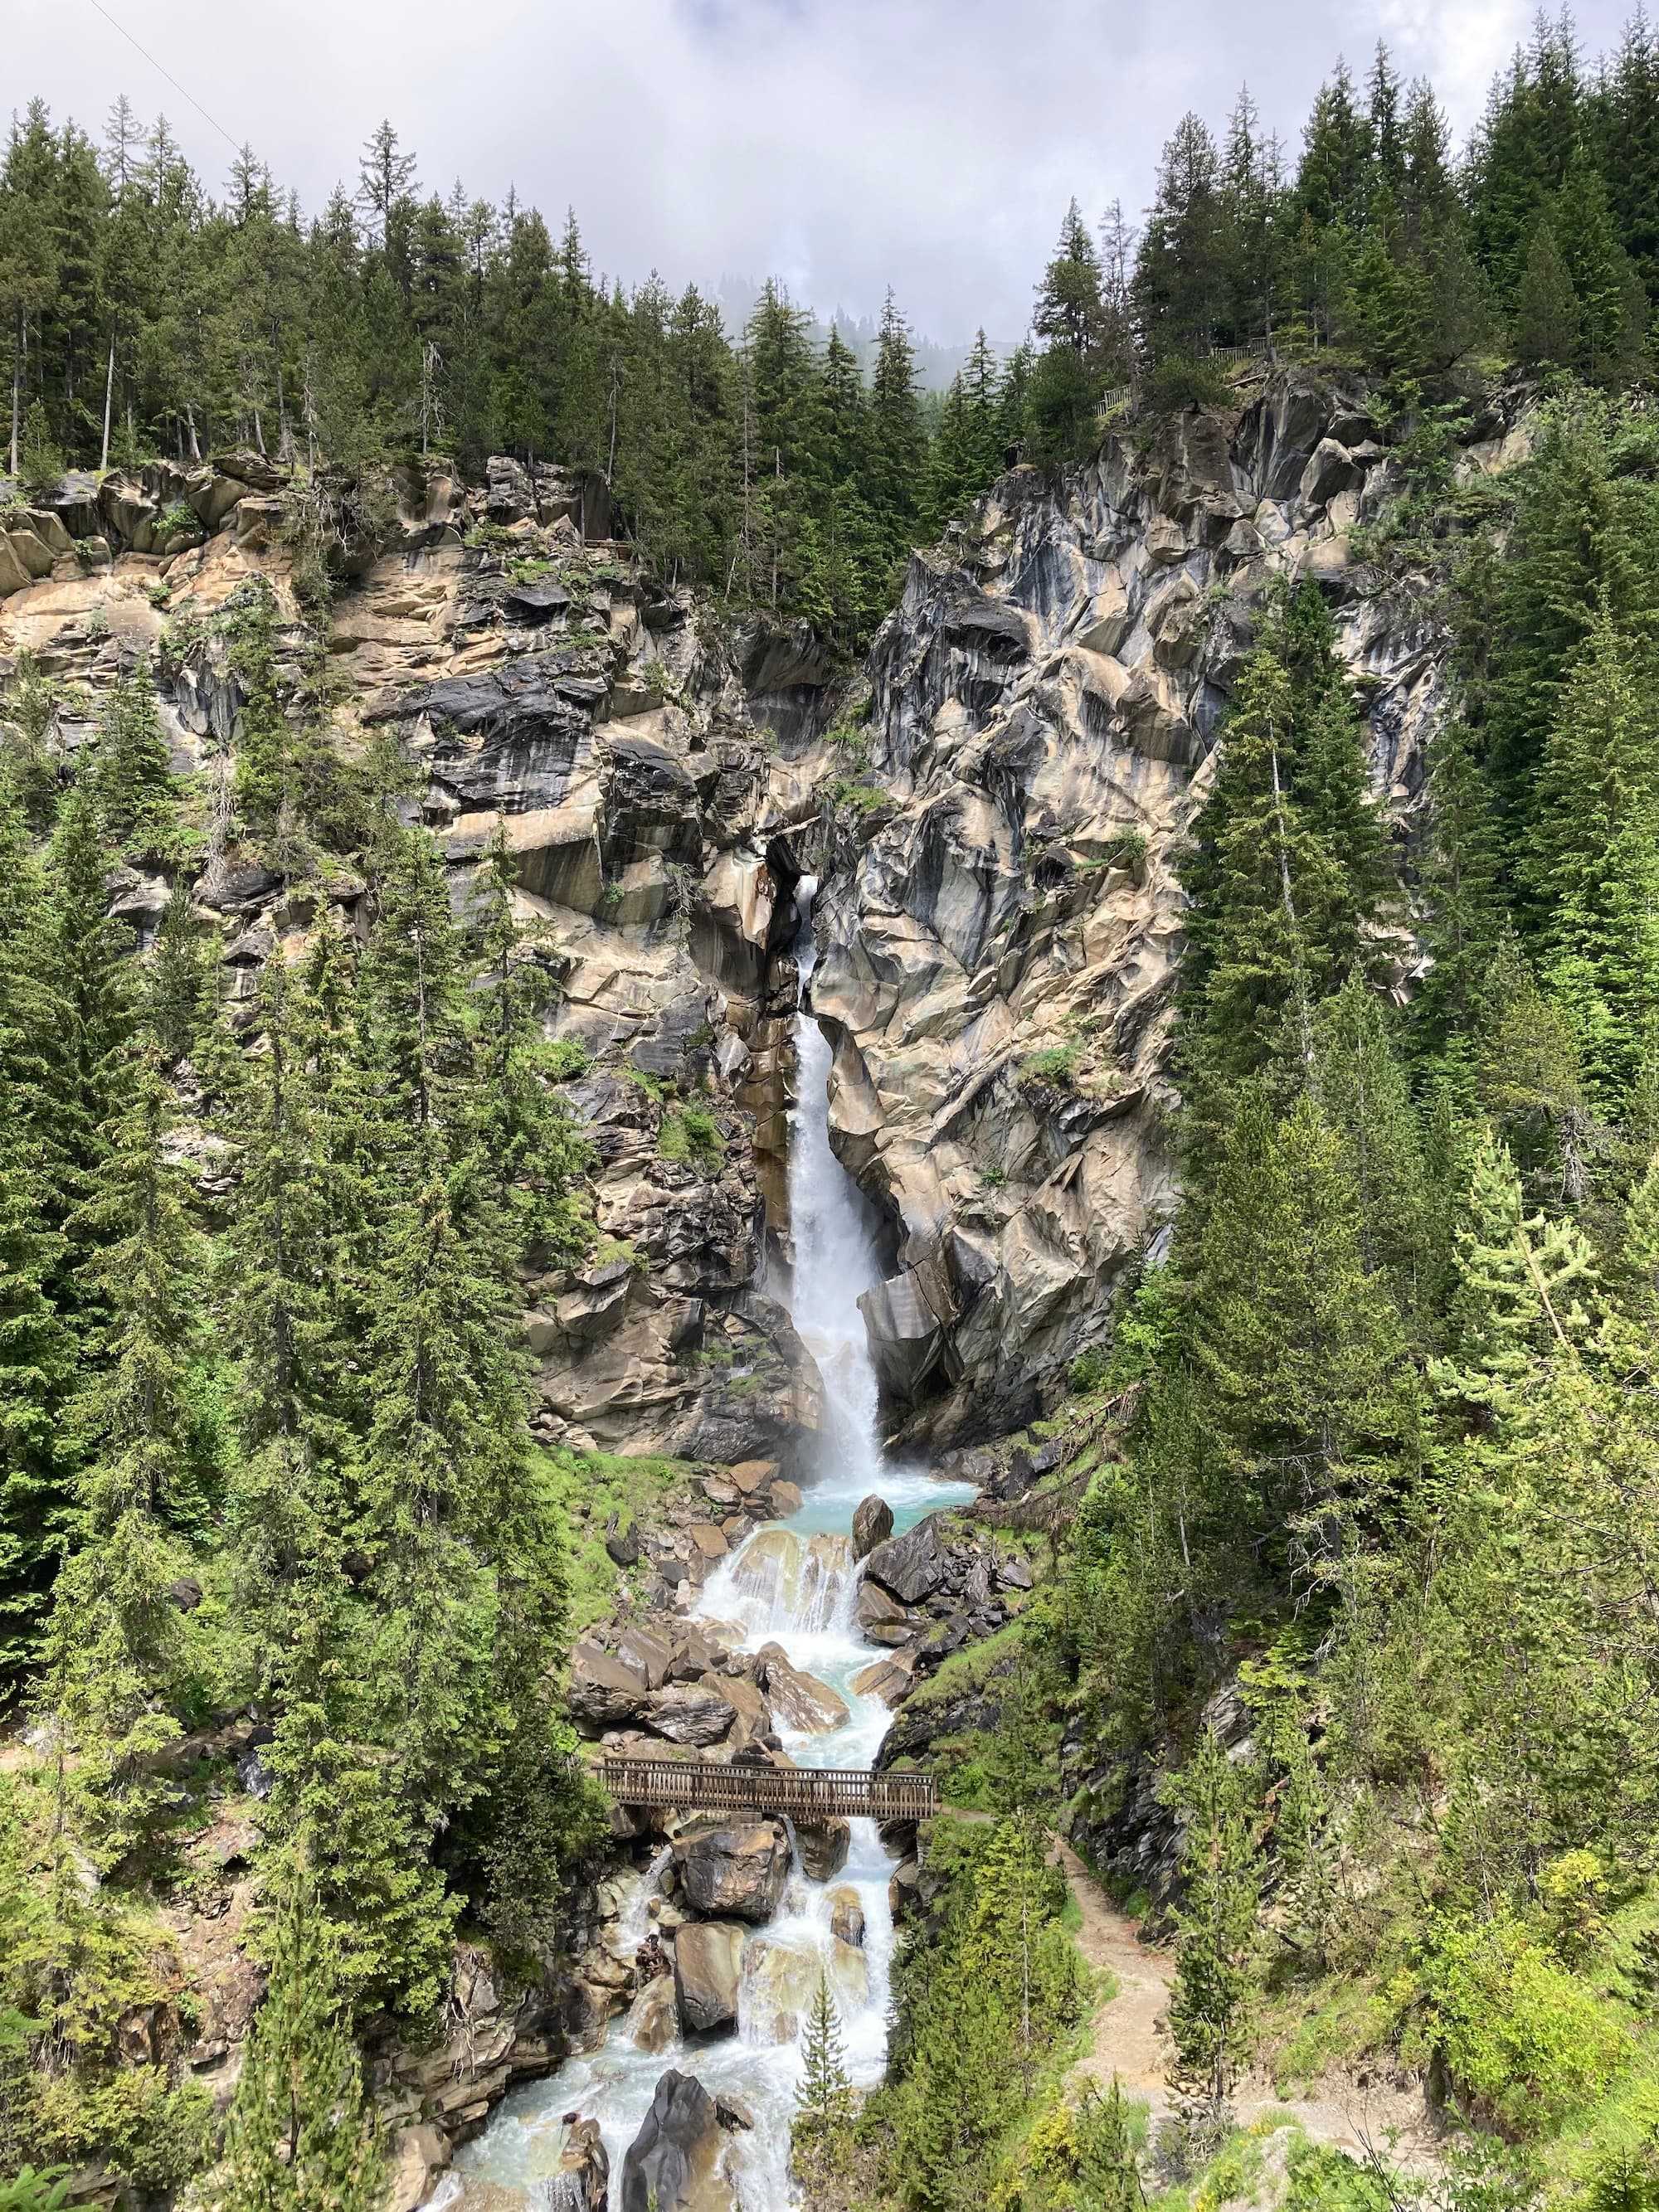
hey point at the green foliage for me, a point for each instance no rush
(302, 2135)
(692, 1137)
(1521, 2040)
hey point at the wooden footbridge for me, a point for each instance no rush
(806, 1794)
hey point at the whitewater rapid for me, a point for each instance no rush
(802, 1595)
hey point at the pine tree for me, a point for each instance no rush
(1070, 317)
(114, 1648)
(1216, 1975)
(823, 2091)
(37, 1373)
(897, 443)
(181, 1003)
(302, 2137)
(1593, 863)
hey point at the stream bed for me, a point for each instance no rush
(782, 1587)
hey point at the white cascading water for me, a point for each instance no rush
(792, 1582)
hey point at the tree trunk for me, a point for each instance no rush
(109, 402)
(17, 394)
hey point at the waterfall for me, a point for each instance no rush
(836, 1259)
(792, 1583)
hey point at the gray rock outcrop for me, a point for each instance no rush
(675, 2163)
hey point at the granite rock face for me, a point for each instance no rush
(997, 938)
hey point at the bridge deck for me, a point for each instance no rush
(804, 1793)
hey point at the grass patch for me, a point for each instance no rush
(591, 1486)
(1058, 1066)
(691, 1136)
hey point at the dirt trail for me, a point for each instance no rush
(1130, 2041)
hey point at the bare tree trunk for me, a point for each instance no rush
(195, 443)
(17, 394)
(109, 402)
(258, 432)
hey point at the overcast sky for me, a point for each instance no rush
(842, 144)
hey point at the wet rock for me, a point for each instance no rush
(675, 2163)
(735, 1870)
(798, 1700)
(417, 2156)
(581, 2182)
(823, 1846)
(912, 1566)
(889, 1679)
(733, 2112)
(873, 1524)
(848, 1972)
(707, 1963)
(875, 1608)
(780, 1981)
(904, 1887)
(846, 1915)
(784, 1499)
(652, 2019)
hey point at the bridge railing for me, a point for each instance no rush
(804, 1793)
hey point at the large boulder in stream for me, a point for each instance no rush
(873, 1524)
(707, 1962)
(798, 1700)
(911, 1567)
(741, 1870)
(689, 1713)
(677, 2161)
(823, 1846)
(582, 2180)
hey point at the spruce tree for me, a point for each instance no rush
(115, 1655)
(132, 776)
(1217, 1972)
(823, 2091)
(302, 2137)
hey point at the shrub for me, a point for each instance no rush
(568, 1060)
(1089, 1369)
(1523, 2038)
(692, 1136)
(41, 462)
(1058, 1065)
(1181, 380)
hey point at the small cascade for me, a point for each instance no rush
(793, 1583)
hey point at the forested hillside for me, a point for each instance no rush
(429, 672)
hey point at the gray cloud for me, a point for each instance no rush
(842, 144)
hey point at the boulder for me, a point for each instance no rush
(873, 1524)
(786, 1499)
(751, 1475)
(910, 1566)
(846, 1915)
(652, 2022)
(605, 1692)
(1014, 1572)
(621, 1544)
(737, 1870)
(873, 1608)
(823, 1846)
(889, 1679)
(780, 1981)
(905, 1888)
(418, 2157)
(707, 1963)
(582, 2180)
(689, 1713)
(798, 1700)
(645, 1653)
(675, 2163)
(708, 1540)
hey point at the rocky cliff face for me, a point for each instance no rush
(999, 934)
(637, 755)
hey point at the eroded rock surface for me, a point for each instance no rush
(997, 936)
